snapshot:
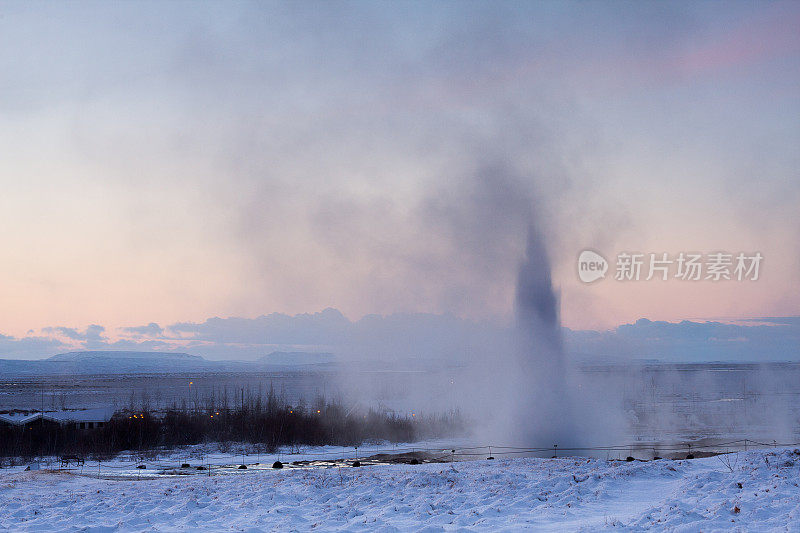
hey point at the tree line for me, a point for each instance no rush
(270, 423)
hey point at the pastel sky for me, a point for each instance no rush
(167, 162)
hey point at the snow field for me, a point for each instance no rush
(569, 494)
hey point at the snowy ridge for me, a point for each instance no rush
(759, 493)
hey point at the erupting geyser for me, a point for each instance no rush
(544, 408)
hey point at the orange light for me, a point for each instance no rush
(318, 411)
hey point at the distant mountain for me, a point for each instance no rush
(109, 362)
(120, 355)
(123, 362)
(296, 358)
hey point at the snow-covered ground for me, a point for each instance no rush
(758, 493)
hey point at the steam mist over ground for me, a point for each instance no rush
(515, 385)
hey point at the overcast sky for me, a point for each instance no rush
(167, 162)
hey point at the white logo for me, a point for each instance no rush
(591, 266)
